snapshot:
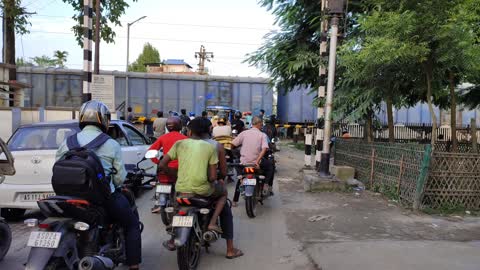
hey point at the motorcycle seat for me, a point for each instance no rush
(190, 199)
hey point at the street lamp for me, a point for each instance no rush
(126, 68)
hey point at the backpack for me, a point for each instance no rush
(80, 173)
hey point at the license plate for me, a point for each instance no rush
(249, 182)
(182, 221)
(164, 189)
(44, 239)
(33, 197)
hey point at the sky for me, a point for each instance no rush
(228, 28)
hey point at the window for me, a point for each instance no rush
(117, 134)
(135, 137)
(39, 138)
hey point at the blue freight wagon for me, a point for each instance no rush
(296, 106)
(53, 87)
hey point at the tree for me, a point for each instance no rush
(44, 61)
(60, 58)
(149, 55)
(22, 62)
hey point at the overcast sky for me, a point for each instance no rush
(228, 28)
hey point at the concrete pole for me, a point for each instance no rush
(98, 17)
(325, 157)
(126, 70)
(87, 49)
(321, 88)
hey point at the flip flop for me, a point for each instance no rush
(216, 229)
(238, 253)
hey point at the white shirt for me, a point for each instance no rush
(222, 131)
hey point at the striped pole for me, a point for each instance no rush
(308, 146)
(322, 85)
(87, 49)
(318, 147)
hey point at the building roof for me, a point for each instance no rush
(176, 62)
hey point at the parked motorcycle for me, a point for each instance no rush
(189, 226)
(6, 168)
(77, 234)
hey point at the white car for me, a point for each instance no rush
(33, 148)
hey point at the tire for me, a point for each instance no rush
(13, 214)
(5, 239)
(188, 255)
(251, 206)
(56, 264)
(165, 217)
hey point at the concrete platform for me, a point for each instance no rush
(312, 182)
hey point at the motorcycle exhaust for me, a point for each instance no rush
(96, 263)
(211, 236)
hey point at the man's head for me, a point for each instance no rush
(183, 111)
(262, 112)
(174, 124)
(196, 127)
(222, 121)
(160, 114)
(257, 122)
(129, 109)
(204, 114)
(238, 115)
(94, 113)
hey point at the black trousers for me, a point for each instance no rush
(120, 211)
(268, 171)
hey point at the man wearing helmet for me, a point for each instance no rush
(237, 123)
(174, 126)
(95, 119)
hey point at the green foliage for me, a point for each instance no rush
(58, 60)
(60, 57)
(149, 55)
(111, 12)
(17, 13)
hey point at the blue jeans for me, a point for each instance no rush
(120, 211)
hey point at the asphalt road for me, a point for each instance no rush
(263, 240)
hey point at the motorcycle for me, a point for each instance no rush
(77, 234)
(189, 226)
(252, 188)
(6, 168)
(136, 178)
(232, 155)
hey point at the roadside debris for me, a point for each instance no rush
(318, 218)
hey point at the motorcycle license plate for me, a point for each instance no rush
(44, 239)
(164, 189)
(249, 182)
(182, 221)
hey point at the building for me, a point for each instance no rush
(170, 66)
(11, 91)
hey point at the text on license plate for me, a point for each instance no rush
(249, 182)
(33, 197)
(179, 221)
(44, 239)
(164, 189)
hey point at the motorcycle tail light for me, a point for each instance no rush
(44, 226)
(81, 226)
(250, 176)
(182, 213)
(31, 222)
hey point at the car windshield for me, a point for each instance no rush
(39, 138)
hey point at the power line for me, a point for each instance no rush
(160, 39)
(178, 24)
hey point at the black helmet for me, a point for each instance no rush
(174, 123)
(267, 119)
(238, 115)
(95, 113)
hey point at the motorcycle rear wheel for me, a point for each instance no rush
(166, 219)
(251, 206)
(5, 239)
(188, 255)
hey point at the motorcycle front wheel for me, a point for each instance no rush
(5, 239)
(188, 255)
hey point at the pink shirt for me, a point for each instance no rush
(252, 141)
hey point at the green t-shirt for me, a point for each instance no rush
(194, 157)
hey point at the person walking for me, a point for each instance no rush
(159, 125)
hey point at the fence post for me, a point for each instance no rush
(473, 125)
(422, 177)
(400, 176)
(372, 164)
(308, 146)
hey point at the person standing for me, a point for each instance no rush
(159, 125)
(130, 115)
(262, 114)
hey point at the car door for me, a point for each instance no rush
(138, 146)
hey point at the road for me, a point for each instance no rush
(264, 241)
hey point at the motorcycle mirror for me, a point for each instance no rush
(152, 154)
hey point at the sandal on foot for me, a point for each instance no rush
(169, 245)
(237, 253)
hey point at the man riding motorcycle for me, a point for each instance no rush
(174, 126)
(222, 129)
(237, 123)
(254, 147)
(95, 119)
(197, 173)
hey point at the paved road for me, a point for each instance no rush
(263, 240)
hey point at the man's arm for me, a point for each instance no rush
(61, 151)
(238, 140)
(163, 165)
(264, 149)
(222, 160)
(212, 173)
(119, 166)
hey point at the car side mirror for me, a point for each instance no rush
(152, 154)
(6, 160)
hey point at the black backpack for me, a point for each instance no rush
(80, 173)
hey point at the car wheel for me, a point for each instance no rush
(12, 213)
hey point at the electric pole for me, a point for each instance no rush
(203, 56)
(87, 49)
(322, 73)
(98, 17)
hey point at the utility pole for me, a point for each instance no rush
(335, 10)
(322, 85)
(203, 55)
(87, 49)
(98, 17)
